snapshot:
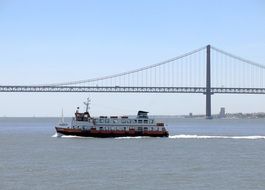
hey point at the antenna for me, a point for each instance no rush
(87, 104)
(62, 119)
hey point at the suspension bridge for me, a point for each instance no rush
(207, 70)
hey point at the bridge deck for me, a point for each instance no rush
(127, 89)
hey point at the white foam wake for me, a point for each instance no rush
(56, 135)
(214, 137)
(182, 136)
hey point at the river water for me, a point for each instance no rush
(199, 154)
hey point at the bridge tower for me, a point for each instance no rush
(208, 82)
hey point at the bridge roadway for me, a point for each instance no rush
(127, 89)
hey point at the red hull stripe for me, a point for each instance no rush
(110, 133)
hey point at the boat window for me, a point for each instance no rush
(151, 121)
(123, 121)
(145, 121)
(107, 121)
(135, 121)
(145, 128)
(115, 121)
(101, 121)
(140, 128)
(124, 128)
(101, 128)
(140, 121)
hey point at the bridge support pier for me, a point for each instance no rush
(208, 83)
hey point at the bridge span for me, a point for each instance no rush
(207, 70)
(128, 89)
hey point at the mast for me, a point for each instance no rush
(62, 119)
(87, 104)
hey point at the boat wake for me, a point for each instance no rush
(182, 136)
(56, 135)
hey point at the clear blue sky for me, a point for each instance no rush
(56, 41)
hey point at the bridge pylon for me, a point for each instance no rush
(208, 82)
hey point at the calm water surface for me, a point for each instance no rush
(200, 154)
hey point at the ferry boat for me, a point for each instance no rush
(86, 126)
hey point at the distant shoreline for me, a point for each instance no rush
(260, 115)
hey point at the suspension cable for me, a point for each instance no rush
(125, 73)
(239, 58)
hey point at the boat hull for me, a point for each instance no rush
(109, 134)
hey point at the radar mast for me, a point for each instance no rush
(62, 117)
(87, 104)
